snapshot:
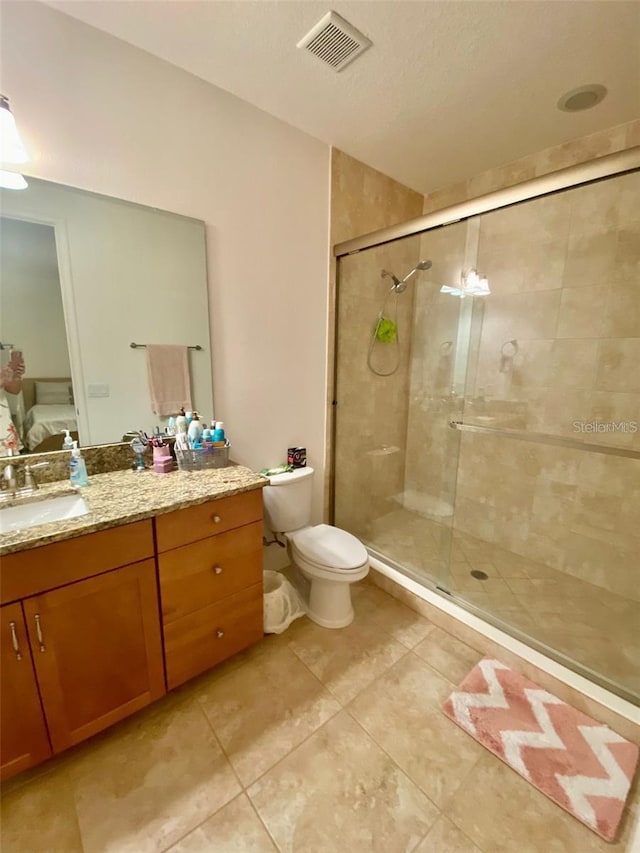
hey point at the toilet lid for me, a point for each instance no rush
(331, 547)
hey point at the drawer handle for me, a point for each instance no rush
(217, 570)
(14, 640)
(216, 519)
(39, 633)
(219, 634)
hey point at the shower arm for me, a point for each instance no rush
(396, 281)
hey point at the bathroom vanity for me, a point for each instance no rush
(103, 613)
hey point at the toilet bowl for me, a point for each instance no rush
(329, 558)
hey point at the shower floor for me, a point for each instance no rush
(588, 624)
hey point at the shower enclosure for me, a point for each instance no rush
(487, 444)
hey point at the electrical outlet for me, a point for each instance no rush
(98, 390)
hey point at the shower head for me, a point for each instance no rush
(401, 286)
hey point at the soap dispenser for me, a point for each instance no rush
(67, 444)
(77, 467)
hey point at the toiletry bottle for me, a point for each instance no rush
(77, 467)
(195, 429)
(181, 422)
(67, 444)
(218, 433)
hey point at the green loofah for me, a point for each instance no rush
(280, 469)
(386, 331)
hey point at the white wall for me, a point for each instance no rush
(31, 315)
(99, 114)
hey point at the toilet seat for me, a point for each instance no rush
(329, 548)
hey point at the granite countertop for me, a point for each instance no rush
(121, 497)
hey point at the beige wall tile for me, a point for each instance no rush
(622, 316)
(595, 208)
(618, 365)
(582, 150)
(591, 259)
(633, 133)
(628, 254)
(581, 312)
(573, 362)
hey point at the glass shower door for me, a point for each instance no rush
(398, 385)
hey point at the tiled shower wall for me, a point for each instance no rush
(373, 426)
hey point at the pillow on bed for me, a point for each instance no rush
(53, 393)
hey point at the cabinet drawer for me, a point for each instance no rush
(196, 575)
(213, 634)
(49, 566)
(198, 522)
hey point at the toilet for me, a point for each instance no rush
(329, 558)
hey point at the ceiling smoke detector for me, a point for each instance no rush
(335, 41)
(582, 98)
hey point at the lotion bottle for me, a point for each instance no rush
(67, 444)
(195, 429)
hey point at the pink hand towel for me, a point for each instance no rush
(169, 383)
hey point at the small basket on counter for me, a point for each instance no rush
(203, 458)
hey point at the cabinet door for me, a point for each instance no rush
(23, 735)
(97, 651)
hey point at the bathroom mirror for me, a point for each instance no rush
(82, 277)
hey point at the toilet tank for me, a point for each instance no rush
(287, 500)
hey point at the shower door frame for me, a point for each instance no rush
(602, 168)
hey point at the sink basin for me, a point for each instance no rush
(41, 512)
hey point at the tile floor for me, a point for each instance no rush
(601, 633)
(315, 741)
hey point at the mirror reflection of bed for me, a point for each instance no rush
(49, 409)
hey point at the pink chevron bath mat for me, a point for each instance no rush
(580, 764)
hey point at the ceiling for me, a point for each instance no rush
(448, 89)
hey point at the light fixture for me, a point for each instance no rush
(582, 98)
(471, 284)
(12, 150)
(12, 180)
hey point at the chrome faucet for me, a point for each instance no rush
(30, 484)
(9, 478)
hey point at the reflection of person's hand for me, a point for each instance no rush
(11, 376)
(6, 375)
(18, 368)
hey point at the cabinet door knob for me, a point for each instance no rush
(216, 519)
(217, 570)
(39, 632)
(14, 640)
(219, 634)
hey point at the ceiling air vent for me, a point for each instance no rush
(335, 41)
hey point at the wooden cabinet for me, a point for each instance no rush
(80, 630)
(88, 634)
(210, 571)
(97, 651)
(23, 734)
